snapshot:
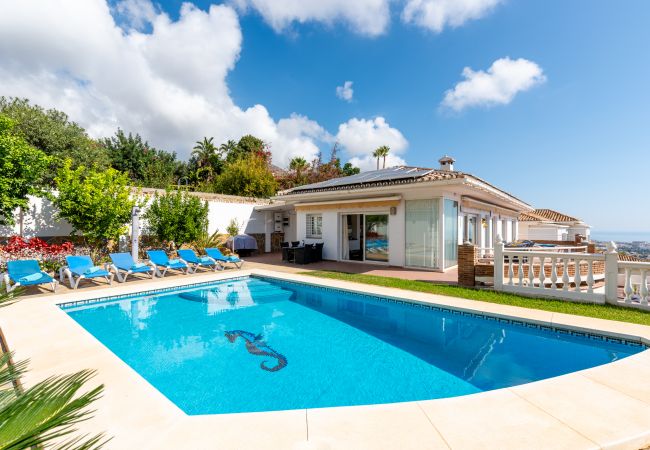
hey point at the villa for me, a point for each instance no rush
(547, 224)
(399, 216)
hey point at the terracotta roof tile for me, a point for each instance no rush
(546, 215)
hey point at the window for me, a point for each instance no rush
(314, 226)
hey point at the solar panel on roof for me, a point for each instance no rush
(390, 174)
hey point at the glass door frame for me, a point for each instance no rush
(363, 229)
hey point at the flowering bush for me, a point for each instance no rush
(50, 256)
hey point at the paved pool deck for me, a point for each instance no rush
(603, 407)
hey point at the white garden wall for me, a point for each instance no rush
(38, 219)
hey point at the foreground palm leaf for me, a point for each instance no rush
(45, 414)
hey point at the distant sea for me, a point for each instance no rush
(621, 236)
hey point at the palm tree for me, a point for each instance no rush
(381, 152)
(204, 151)
(46, 412)
(298, 164)
(228, 147)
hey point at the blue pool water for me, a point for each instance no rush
(258, 344)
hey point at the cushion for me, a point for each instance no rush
(92, 270)
(139, 265)
(30, 277)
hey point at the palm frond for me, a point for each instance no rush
(47, 412)
(8, 298)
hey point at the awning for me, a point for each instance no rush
(358, 203)
(470, 202)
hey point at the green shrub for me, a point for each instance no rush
(96, 203)
(177, 217)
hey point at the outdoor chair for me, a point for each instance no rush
(123, 263)
(26, 272)
(218, 256)
(195, 262)
(160, 259)
(82, 267)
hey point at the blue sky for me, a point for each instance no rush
(570, 134)
(580, 142)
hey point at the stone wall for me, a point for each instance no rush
(276, 239)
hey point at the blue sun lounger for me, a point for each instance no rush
(82, 267)
(160, 259)
(195, 262)
(218, 256)
(26, 272)
(123, 263)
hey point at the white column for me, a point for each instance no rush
(515, 230)
(611, 273)
(498, 264)
(481, 232)
(269, 225)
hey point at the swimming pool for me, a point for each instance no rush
(263, 344)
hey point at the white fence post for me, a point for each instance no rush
(498, 264)
(611, 273)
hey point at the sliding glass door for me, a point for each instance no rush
(422, 233)
(376, 226)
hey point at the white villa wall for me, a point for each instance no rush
(542, 232)
(38, 220)
(332, 230)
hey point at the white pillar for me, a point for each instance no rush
(498, 264)
(611, 273)
(269, 225)
(481, 232)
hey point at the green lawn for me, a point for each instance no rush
(580, 309)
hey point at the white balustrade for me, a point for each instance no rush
(572, 275)
(635, 287)
(537, 273)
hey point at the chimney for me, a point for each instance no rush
(447, 163)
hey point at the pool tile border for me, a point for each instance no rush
(482, 316)
(379, 298)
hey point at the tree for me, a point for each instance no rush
(227, 147)
(206, 158)
(381, 152)
(204, 151)
(96, 203)
(177, 217)
(22, 171)
(144, 164)
(246, 146)
(52, 132)
(348, 169)
(298, 165)
(248, 176)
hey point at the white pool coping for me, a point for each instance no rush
(603, 407)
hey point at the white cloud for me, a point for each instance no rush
(369, 17)
(169, 85)
(498, 86)
(136, 13)
(360, 137)
(345, 92)
(437, 14)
